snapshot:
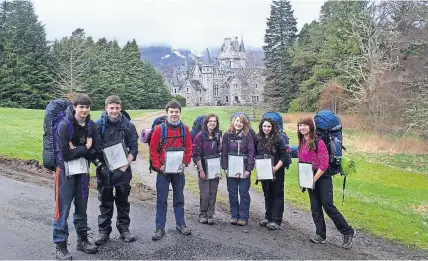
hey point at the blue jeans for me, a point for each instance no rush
(162, 190)
(67, 189)
(239, 209)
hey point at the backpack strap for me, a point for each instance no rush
(182, 133)
(316, 141)
(90, 127)
(102, 122)
(164, 135)
(69, 127)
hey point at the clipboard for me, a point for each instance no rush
(306, 175)
(76, 166)
(264, 167)
(115, 155)
(235, 166)
(213, 166)
(174, 160)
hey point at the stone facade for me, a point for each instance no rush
(226, 80)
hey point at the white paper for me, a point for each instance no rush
(174, 159)
(235, 166)
(306, 175)
(77, 166)
(115, 157)
(213, 168)
(264, 169)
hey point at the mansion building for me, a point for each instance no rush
(225, 80)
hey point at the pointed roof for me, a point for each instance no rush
(242, 46)
(209, 61)
(175, 81)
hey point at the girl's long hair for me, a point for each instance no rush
(205, 124)
(246, 127)
(269, 143)
(310, 143)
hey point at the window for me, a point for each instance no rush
(187, 89)
(255, 98)
(255, 86)
(215, 90)
(227, 98)
(235, 85)
(175, 90)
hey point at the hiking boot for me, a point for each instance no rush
(210, 221)
(233, 221)
(159, 233)
(263, 222)
(318, 240)
(127, 236)
(84, 245)
(184, 230)
(61, 252)
(272, 226)
(242, 222)
(347, 239)
(203, 220)
(102, 239)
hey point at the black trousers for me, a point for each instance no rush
(274, 197)
(107, 199)
(322, 198)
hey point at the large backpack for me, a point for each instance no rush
(146, 134)
(164, 138)
(329, 129)
(197, 126)
(277, 118)
(54, 114)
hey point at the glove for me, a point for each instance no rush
(105, 172)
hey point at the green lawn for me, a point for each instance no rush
(387, 197)
(22, 131)
(383, 198)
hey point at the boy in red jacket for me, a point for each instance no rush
(175, 136)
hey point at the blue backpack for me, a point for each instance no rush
(54, 114)
(277, 118)
(329, 129)
(197, 126)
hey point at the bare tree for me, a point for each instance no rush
(367, 72)
(71, 63)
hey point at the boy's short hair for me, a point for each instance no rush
(174, 104)
(112, 99)
(82, 99)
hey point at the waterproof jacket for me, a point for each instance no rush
(174, 140)
(246, 148)
(318, 159)
(80, 133)
(122, 130)
(280, 153)
(203, 146)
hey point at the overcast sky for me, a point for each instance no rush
(193, 24)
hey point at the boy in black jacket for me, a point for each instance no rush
(114, 127)
(78, 138)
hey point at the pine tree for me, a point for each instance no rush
(24, 74)
(280, 35)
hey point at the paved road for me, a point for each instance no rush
(27, 214)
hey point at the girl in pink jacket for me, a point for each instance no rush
(313, 150)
